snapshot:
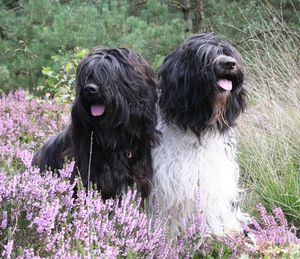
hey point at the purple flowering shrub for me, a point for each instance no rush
(192, 239)
(25, 124)
(269, 236)
(32, 208)
(38, 213)
(39, 216)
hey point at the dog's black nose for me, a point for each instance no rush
(90, 89)
(228, 63)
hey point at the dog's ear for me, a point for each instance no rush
(143, 116)
(184, 100)
(141, 78)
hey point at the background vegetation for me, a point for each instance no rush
(32, 32)
(43, 41)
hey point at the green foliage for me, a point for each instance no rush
(269, 154)
(60, 80)
(217, 250)
(4, 79)
(33, 31)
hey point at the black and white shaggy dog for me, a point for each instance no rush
(202, 95)
(115, 99)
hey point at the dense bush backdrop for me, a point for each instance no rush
(31, 32)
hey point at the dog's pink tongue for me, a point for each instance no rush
(225, 84)
(97, 110)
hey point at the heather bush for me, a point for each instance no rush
(26, 122)
(39, 216)
(268, 236)
(38, 213)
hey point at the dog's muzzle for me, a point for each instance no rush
(91, 92)
(227, 63)
(90, 89)
(226, 69)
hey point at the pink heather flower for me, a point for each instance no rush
(46, 218)
(280, 216)
(63, 227)
(29, 216)
(3, 188)
(111, 252)
(4, 220)
(270, 238)
(28, 254)
(67, 170)
(192, 238)
(7, 253)
(25, 156)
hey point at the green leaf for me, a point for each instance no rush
(68, 67)
(46, 71)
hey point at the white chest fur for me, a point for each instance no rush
(192, 175)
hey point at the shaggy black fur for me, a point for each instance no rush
(190, 94)
(115, 99)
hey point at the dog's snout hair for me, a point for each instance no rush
(226, 62)
(91, 89)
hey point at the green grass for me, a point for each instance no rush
(269, 138)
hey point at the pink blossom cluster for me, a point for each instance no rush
(193, 237)
(25, 123)
(269, 235)
(39, 216)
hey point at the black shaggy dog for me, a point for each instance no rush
(202, 94)
(115, 100)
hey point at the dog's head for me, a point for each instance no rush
(201, 84)
(114, 86)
